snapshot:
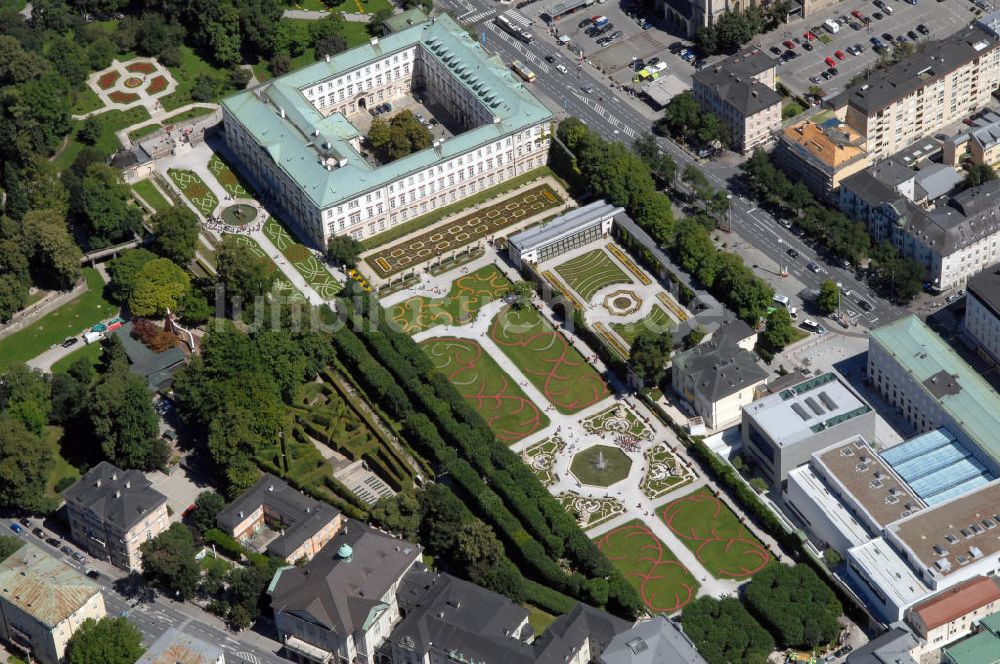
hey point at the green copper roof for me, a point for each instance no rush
(300, 141)
(923, 354)
(992, 623)
(982, 648)
(402, 21)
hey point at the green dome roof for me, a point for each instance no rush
(345, 551)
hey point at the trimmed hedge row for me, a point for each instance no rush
(224, 543)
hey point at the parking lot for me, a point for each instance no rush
(942, 18)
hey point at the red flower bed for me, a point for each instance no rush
(108, 80)
(120, 97)
(142, 67)
(158, 84)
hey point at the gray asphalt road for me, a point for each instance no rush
(607, 112)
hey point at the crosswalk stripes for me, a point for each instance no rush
(248, 657)
(603, 112)
(518, 18)
(478, 16)
(536, 62)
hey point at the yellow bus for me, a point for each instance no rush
(522, 71)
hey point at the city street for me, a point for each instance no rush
(155, 614)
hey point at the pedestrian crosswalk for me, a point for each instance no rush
(608, 116)
(536, 62)
(517, 18)
(477, 17)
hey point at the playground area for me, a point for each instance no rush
(510, 414)
(456, 234)
(722, 544)
(468, 294)
(663, 582)
(548, 360)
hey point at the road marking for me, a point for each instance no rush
(248, 657)
(528, 55)
(232, 640)
(519, 18)
(479, 16)
(610, 119)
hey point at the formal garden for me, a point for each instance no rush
(282, 287)
(304, 260)
(590, 512)
(600, 465)
(590, 272)
(657, 320)
(460, 232)
(722, 544)
(664, 583)
(151, 195)
(509, 413)
(541, 458)
(618, 419)
(548, 360)
(195, 190)
(664, 472)
(226, 177)
(468, 294)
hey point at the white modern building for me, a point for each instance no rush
(881, 577)
(981, 326)
(576, 228)
(782, 430)
(296, 138)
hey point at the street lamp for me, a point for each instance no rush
(839, 286)
(729, 206)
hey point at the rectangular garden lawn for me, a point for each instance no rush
(151, 195)
(706, 525)
(663, 582)
(302, 259)
(657, 321)
(590, 272)
(510, 414)
(548, 360)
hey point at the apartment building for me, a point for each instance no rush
(953, 235)
(952, 614)
(177, 647)
(820, 151)
(979, 145)
(687, 17)
(981, 325)
(740, 90)
(42, 602)
(288, 524)
(297, 138)
(112, 512)
(937, 86)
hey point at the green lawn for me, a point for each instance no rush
(220, 564)
(302, 259)
(510, 414)
(538, 619)
(791, 109)
(151, 195)
(68, 320)
(227, 178)
(62, 468)
(468, 294)
(109, 122)
(548, 360)
(656, 321)
(600, 465)
(86, 100)
(183, 116)
(663, 582)
(90, 352)
(590, 272)
(195, 190)
(361, 6)
(192, 65)
(723, 545)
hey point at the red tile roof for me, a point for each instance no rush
(958, 601)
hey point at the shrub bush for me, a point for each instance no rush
(224, 543)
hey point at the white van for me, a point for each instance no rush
(831, 26)
(92, 337)
(781, 299)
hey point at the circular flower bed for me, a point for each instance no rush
(133, 82)
(239, 214)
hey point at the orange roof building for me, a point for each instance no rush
(952, 614)
(821, 152)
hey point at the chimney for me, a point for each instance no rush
(114, 476)
(118, 494)
(270, 487)
(128, 484)
(97, 484)
(327, 57)
(282, 112)
(374, 41)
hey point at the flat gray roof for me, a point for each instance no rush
(799, 412)
(567, 224)
(889, 572)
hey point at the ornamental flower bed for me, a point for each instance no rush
(133, 82)
(108, 79)
(120, 97)
(158, 84)
(142, 67)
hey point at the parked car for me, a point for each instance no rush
(38, 532)
(830, 62)
(66, 549)
(922, 29)
(887, 37)
(877, 16)
(652, 61)
(16, 528)
(72, 341)
(833, 71)
(53, 541)
(825, 75)
(912, 35)
(809, 35)
(807, 46)
(815, 79)
(79, 557)
(585, 22)
(840, 55)
(93, 573)
(788, 43)
(604, 41)
(617, 34)
(776, 50)
(26, 522)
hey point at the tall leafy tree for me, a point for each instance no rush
(124, 271)
(160, 286)
(724, 632)
(122, 418)
(25, 465)
(105, 207)
(795, 605)
(105, 641)
(168, 561)
(242, 273)
(829, 297)
(176, 232)
(649, 355)
(55, 257)
(208, 504)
